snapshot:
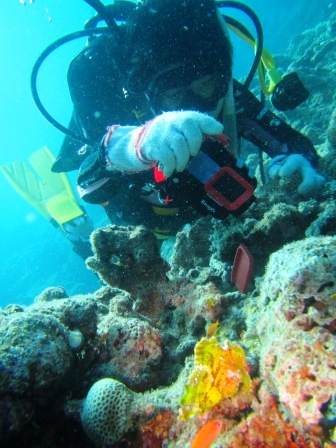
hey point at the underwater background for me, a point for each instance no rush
(33, 254)
(170, 349)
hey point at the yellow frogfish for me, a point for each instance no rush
(219, 372)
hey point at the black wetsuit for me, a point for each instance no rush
(96, 85)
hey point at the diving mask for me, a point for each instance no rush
(186, 89)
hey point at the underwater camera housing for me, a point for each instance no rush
(213, 182)
(289, 93)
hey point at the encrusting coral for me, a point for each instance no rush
(331, 132)
(296, 313)
(111, 409)
(126, 257)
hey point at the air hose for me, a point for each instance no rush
(260, 35)
(33, 83)
(120, 11)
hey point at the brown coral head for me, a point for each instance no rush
(126, 257)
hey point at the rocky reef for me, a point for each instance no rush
(168, 346)
(121, 252)
(155, 377)
(311, 54)
(294, 318)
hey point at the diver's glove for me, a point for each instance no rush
(169, 141)
(286, 166)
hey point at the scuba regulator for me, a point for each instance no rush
(289, 93)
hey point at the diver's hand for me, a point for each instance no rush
(173, 137)
(286, 166)
(79, 229)
(169, 140)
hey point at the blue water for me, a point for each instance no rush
(33, 255)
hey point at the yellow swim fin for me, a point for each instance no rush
(50, 193)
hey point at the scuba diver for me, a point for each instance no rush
(157, 118)
(179, 58)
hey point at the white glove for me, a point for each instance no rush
(169, 140)
(286, 166)
(174, 137)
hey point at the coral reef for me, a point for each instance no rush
(132, 348)
(298, 290)
(35, 358)
(311, 54)
(35, 354)
(51, 294)
(290, 330)
(331, 131)
(126, 257)
(106, 411)
(296, 311)
(75, 313)
(122, 365)
(325, 224)
(39, 358)
(194, 242)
